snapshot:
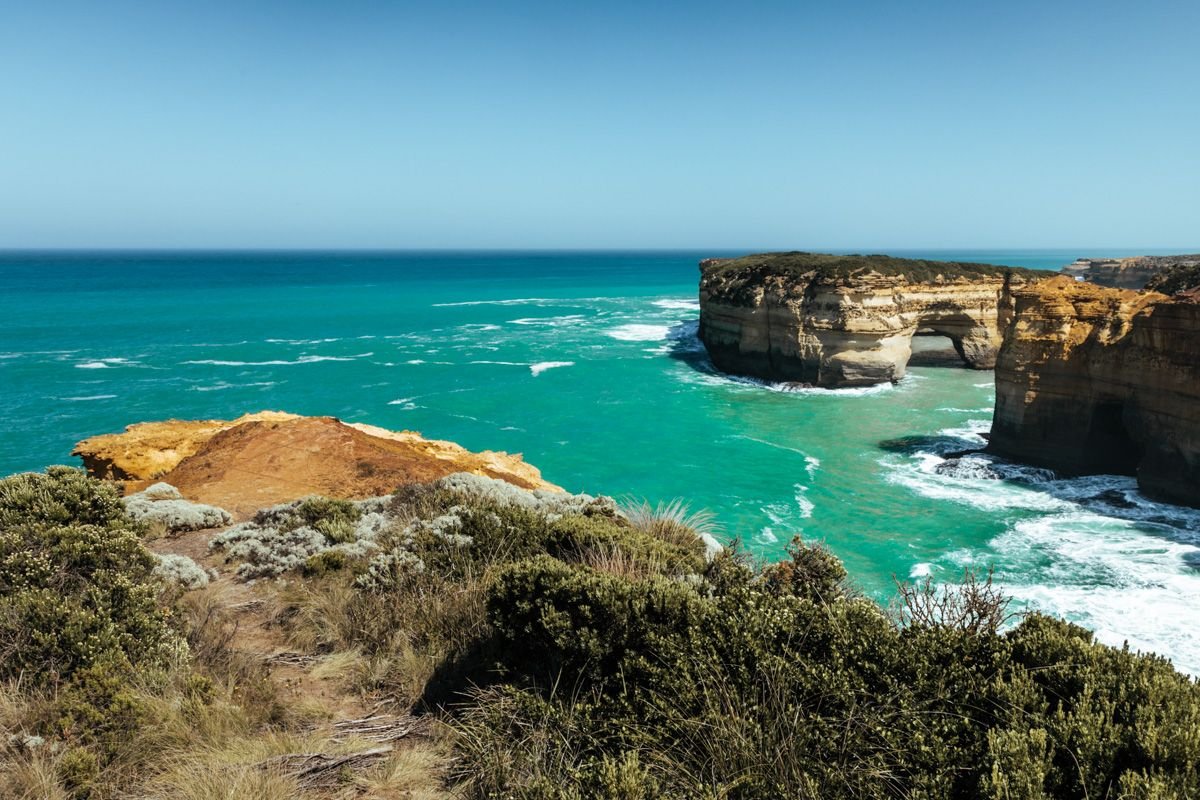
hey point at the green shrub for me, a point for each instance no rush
(83, 625)
(78, 585)
(60, 496)
(781, 683)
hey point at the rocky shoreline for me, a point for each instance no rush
(1089, 379)
(1098, 380)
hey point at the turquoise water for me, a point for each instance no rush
(587, 363)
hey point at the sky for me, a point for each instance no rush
(646, 124)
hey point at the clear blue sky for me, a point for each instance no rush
(700, 125)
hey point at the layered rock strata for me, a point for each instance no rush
(273, 457)
(835, 321)
(1135, 272)
(1099, 380)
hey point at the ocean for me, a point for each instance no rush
(588, 364)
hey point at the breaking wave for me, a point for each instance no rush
(1090, 549)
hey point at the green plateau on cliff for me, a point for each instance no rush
(468, 638)
(829, 267)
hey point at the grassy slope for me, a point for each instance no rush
(557, 648)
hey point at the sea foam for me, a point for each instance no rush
(639, 332)
(542, 366)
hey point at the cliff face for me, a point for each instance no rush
(274, 457)
(847, 321)
(1127, 273)
(1099, 380)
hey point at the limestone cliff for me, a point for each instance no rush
(1126, 273)
(835, 321)
(1099, 380)
(272, 457)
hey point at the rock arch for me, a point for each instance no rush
(828, 329)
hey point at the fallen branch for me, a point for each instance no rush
(380, 728)
(320, 770)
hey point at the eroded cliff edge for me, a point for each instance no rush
(1098, 380)
(1135, 272)
(831, 321)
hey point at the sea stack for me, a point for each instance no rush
(835, 321)
(1098, 380)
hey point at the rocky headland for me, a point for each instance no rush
(834, 321)
(1135, 272)
(1101, 380)
(274, 457)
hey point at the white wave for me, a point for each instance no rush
(804, 505)
(406, 402)
(970, 431)
(1091, 549)
(537, 301)
(415, 361)
(89, 397)
(987, 385)
(1124, 583)
(681, 338)
(721, 380)
(922, 570)
(678, 305)
(550, 322)
(919, 473)
(105, 363)
(306, 341)
(776, 445)
(515, 301)
(503, 363)
(637, 332)
(276, 362)
(811, 465)
(542, 366)
(981, 410)
(223, 385)
(767, 536)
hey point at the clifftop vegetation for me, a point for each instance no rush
(828, 267)
(550, 646)
(1177, 278)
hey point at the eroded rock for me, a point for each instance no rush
(834, 321)
(264, 459)
(1093, 380)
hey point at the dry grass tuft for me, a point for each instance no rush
(673, 522)
(30, 776)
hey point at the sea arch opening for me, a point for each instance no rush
(971, 341)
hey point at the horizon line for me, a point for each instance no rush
(837, 250)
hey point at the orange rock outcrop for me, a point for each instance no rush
(273, 457)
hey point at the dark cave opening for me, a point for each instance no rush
(1110, 446)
